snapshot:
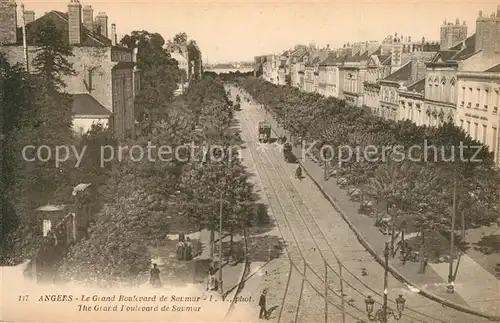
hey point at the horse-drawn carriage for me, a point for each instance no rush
(264, 131)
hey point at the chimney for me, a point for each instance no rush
(88, 17)
(29, 16)
(8, 16)
(113, 34)
(101, 24)
(74, 22)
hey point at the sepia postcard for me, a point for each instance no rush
(250, 161)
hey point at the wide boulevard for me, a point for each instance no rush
(317, 241)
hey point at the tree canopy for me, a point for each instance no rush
(421, 187)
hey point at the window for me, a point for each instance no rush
(468, 127)
(461, 123)
(485, 130)
(476, 127)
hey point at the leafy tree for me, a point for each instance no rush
(331, 122)
(181, 38)
(35, 113)
(161, 75)
(52, 53)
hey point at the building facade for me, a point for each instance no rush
(411, 102)
(329, 76)
(477, 108)
(104, 70)
(377, 68)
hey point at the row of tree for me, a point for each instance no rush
(141, 197)
(417, 195)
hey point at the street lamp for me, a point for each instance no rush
(384, 313)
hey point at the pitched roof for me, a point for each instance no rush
(60, 19)
(314, 61)
(401, 75)
(385, 59)
(298, 52)
(85, 104)
(469, 42)
(468, 51)
(329, 60)
(446, 55)
(418, 86)
(459, 51)
(377, 52)
(364, 57)
(353, 58)
(495, 68)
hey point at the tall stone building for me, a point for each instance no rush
(8, 22)
(452, 34)
(103, 87)
(488, 33)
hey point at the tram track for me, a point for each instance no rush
(291, 213)
(325, 246)
(322, 244)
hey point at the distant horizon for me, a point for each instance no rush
(237, 31)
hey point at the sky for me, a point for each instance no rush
(232, 31)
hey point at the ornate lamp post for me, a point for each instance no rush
(383, 314)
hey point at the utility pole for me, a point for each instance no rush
(326, 291)
(182, 83)
(341, 291)
(220, 244)
(25, 44)
(326, 164)
(452, 238)
(386, 273)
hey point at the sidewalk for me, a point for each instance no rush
(178, 272)
(475, 287)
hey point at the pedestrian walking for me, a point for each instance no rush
(262, 305)
(188, 249)
(426, 261)
(298, 172)
(154, 279)
(180, 250)
(211, 284)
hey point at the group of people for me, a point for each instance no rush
(184, 248)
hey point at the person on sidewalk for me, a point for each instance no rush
(211, 284)
(188, 249)
(180, 250)
(298, 172)
(262, 305)
(154, 279)
(426, 262)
